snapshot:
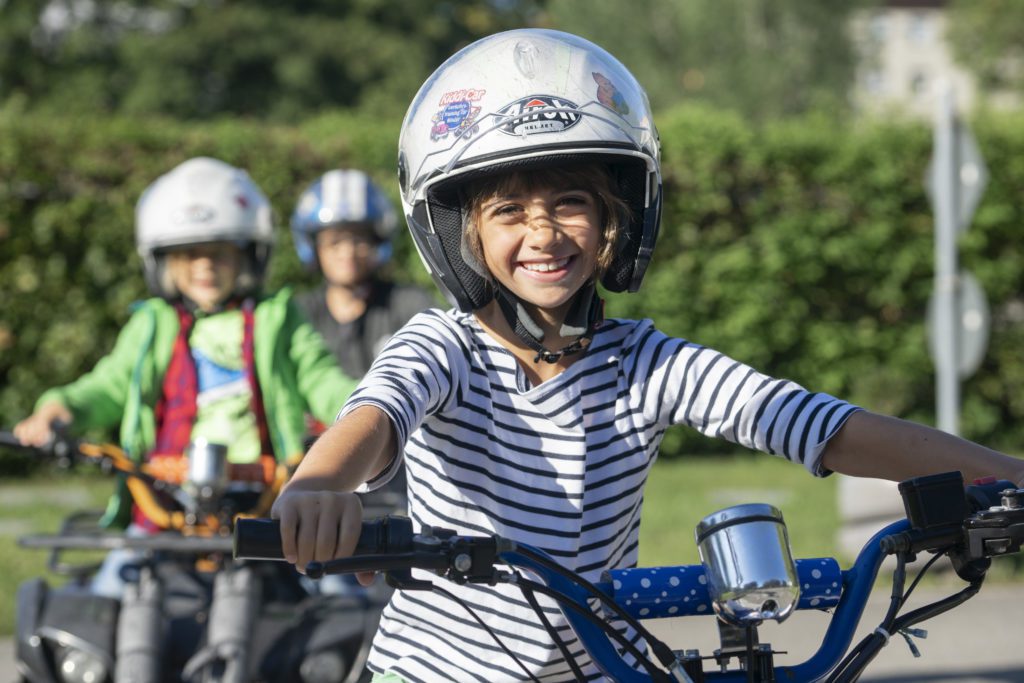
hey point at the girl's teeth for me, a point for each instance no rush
(547, 266)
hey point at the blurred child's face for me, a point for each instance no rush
(205, 273)
(542, 243)
(347, 254)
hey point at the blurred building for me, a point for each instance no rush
(903, 57)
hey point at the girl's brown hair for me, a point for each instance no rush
(594, 178)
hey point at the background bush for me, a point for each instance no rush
(802, 247)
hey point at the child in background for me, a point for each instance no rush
(209, 356)
(529, 170)
(342, 227)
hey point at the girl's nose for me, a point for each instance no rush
(543, 229)
(541, 216)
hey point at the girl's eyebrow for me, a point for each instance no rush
(514, 195)
(500, 198)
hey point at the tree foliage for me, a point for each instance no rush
(764, 58)
(988, 38)
(194, 59)
(197, 59)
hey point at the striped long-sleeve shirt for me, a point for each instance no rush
(560, 466)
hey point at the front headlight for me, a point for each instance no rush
(79, 666)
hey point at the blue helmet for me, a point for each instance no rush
(338, 198)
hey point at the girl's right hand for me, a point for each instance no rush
(37, 429)
(317, 526)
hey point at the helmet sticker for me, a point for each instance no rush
(609, 95)
(194, 213)
(457, 114)
(538, 114)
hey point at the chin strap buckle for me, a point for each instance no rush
(555, 356)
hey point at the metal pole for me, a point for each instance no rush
(947, 385)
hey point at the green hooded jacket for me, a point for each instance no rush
(296, 372)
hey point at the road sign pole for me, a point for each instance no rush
(947, 385)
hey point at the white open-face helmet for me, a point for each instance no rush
(203, 200)
(524, 99)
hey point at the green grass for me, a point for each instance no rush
(681, 492)
(35, 506)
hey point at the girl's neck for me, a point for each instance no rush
(494, 323)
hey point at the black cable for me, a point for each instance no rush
(661, 651)
(869, 647)
(870, 651)
(643, 660)
(939, 607)
(920, 574)
(857, 667)
(487, 628)
(531, 598)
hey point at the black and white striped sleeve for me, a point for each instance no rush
(415, 375)
(720, 397)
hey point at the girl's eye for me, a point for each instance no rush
(506, 209)
(574, 199)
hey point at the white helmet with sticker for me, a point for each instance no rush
(524, 99)
(199, 201)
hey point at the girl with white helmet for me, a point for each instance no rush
(209, 356)
(530, 175)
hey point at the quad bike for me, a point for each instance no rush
(187, 611)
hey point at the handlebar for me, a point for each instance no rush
(171, 504)
(970, 524)
(61, 448)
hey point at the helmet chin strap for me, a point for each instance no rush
(585, 314)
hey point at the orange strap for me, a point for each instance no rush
(173, 470)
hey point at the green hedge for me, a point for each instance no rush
(803, 248)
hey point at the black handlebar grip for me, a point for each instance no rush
(8, 439)
(260, 539)
(61, 446)
(257, 539)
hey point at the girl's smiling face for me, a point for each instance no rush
(541, 243)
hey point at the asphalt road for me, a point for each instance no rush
(982, 641)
